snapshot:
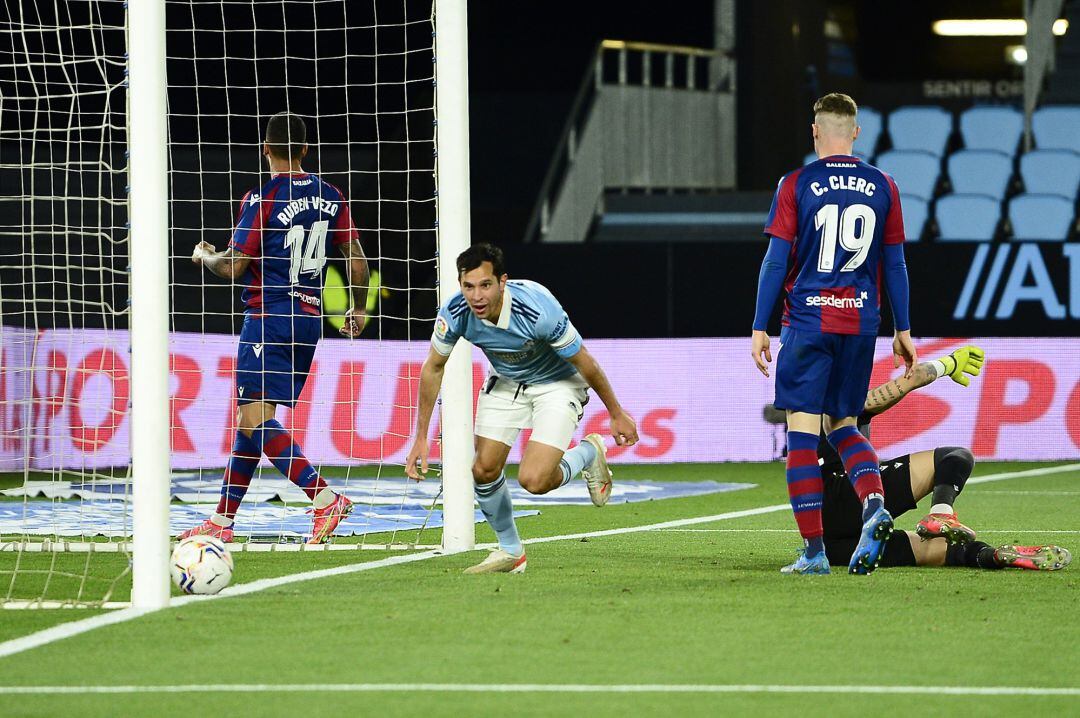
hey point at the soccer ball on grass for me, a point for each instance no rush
(201, 564)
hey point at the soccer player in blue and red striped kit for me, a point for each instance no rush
(279, 251)
(836, 234)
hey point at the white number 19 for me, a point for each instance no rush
(855, 230)
(306, 257)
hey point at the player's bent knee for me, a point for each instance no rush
(955, 461)
(485, 474)
(536, 482)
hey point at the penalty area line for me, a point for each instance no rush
(540, 688)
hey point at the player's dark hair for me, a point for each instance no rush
(286, 134)
(477, 254)
(836, 103)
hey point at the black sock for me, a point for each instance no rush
(952, 467)
(972, 555)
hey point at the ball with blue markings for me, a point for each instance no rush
(201, 564)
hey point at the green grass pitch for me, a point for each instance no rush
(701, 604)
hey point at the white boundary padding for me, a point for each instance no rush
(454, 236)
(148, 242)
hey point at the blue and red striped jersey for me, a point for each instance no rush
(837, 213)
(287, 227)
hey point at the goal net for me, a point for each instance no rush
(362, 75)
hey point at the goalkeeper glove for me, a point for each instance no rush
(965, 360)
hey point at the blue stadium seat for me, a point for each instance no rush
(1055, 128)
(915, 173)
(1051, 172)
(1041, 217)
(922, 128)
(992, 128)
(870, 121)
(967, 217)
(916, 210)
(980, 172)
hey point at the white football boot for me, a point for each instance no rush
(597, 475)
(499, 561)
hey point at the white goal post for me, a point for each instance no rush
(452, 137)
(148, 179)
(147, 110)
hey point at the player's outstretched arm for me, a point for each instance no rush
(227, 264)
(431, 376)
(623, 426)
(356, 267)
(966, 360)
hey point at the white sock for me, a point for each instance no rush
(941, 509)
(219, 520)
(324, 498)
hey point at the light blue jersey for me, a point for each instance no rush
(531, 341)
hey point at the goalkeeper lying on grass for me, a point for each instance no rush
(939, 538)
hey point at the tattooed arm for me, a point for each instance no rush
(961, 363)
(891, 392)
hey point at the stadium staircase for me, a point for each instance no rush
(647, 118)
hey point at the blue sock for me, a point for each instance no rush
(861, 464)
(805, 488)
(494, 500)
(575, 460)
(814, 546)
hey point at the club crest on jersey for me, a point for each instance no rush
(526, 352)
(441, 328)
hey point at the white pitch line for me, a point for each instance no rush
(540, 688)
(75, 628)
(1063, 469)
(664, 524)
(795, 530)
(998, 492)
(792, 530)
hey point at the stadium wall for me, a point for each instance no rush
(694, 400)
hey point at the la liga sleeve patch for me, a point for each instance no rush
(441, 328)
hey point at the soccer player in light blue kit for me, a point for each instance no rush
(540, 376)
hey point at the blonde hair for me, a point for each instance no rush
(835, 113)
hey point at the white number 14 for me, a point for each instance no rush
(854, 235)
(306, 257)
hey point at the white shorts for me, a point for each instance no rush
(552, 410)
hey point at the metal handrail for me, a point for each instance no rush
(591, 80)
(658, 47)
